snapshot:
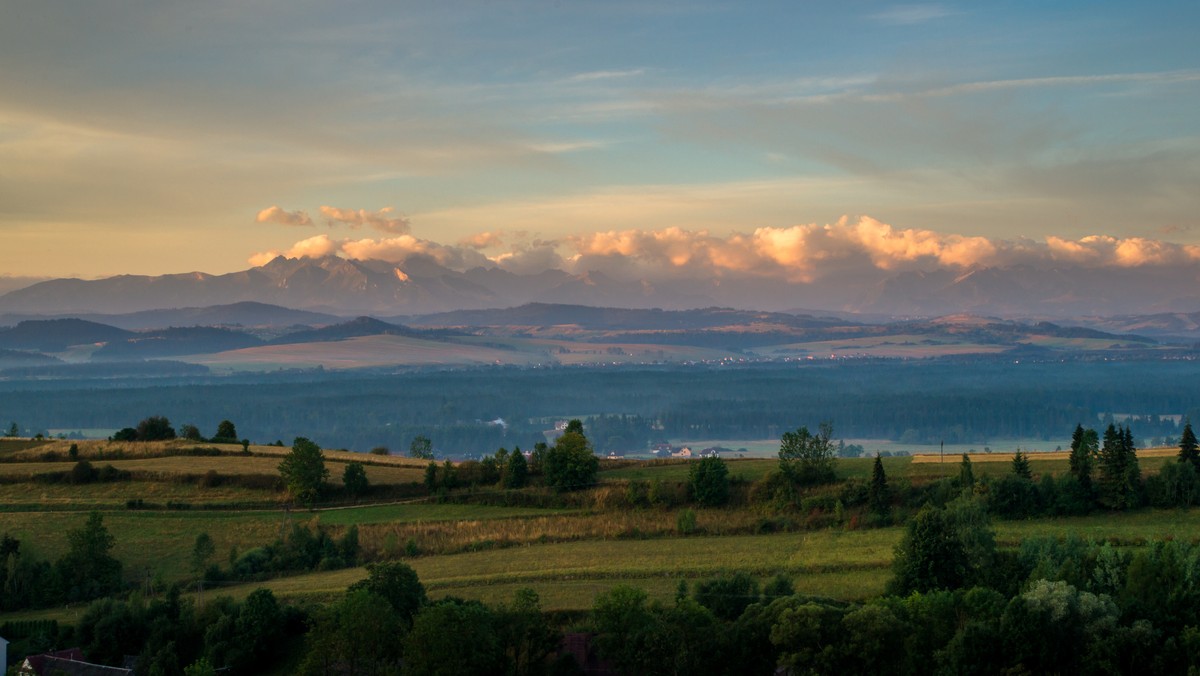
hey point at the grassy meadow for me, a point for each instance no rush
(587, 543)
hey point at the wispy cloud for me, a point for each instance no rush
(908, 15)
(594, 75)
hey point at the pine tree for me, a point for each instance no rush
(966, 475)
(1020, 465)
(1133, 473)
(879, 494)
(1188, 448)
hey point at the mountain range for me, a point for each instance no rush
(335, 286)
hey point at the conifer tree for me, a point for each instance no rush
(966, 475)
(1120, 477)
(879, 494)
(1133, 473)
(1083, 443)
(1020, 465)
(1188, 448)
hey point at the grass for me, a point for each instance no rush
(377, 473)
(567, 575)
(414, 513)
(37, 496)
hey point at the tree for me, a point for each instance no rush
(357, 635)
(516, 470)
(421, 447)
(966, 475)
(806, 458)
(1120, 477)
(155, 428)
(728, 595)
(570, 464)
(526, 637)
(1020, 465)
(943, 548)
(431, 471)
(226, 431)
(1085, 444)
(1188, 447)
(354, 478)
(879, 495)
(303, 471)
(88, 570)
(13, 430)
(202, 551)
(453, 638)
(708, 481)
(190, 432)
(397, 583)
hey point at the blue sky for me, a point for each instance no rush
(153, 137)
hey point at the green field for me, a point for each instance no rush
(567, 554)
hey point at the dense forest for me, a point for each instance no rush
(955, 401)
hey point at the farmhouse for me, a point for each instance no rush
(67, 663)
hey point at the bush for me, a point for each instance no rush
(708, 482)
(685, 523)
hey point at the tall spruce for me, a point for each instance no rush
(879, 495)
(1120, 477)
(1133, 472)
(1020, 465)
(1188, 448)
(1083, 449)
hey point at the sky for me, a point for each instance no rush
(789, 138)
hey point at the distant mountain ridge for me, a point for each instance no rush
(333, 286)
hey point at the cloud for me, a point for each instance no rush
(594, 75)
(275, 214)
(793, 254)
(392, 249)
(907, 15)
(483, 240)
(1107, 251)
(381, 220)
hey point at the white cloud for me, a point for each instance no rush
(796, 254)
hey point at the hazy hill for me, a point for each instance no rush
(355, 328)
(18, 358)
(246, 314)
(617, 318)
(56, 335)
(172, 342)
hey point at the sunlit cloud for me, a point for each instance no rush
(794, 254)
(483, 240)
(275, 214)
(381, 220)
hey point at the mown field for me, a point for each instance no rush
(567, 553)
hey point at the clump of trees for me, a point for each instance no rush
(88, 570)
(154, 428)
